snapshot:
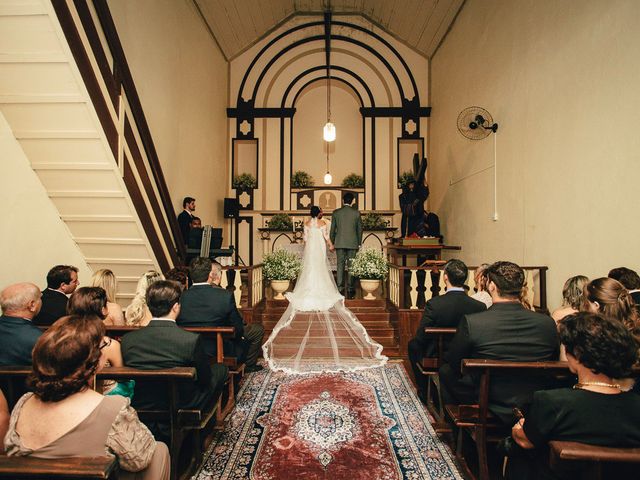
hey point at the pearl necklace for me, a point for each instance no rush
(581, 385)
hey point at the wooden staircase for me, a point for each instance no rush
(379, 317)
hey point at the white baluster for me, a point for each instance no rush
(428, 281)
(530, 287)
(237, 292)
(224, 281)
(471, 281)
(414, 290)
(441, 283)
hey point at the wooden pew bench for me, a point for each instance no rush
(429, 369)
(476, 419)
(236, 370)
(82, 468)
(593, 462)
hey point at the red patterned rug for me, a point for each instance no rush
(365, 425)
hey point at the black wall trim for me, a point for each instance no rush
(243, 111)
(333, 79)
(395, 111)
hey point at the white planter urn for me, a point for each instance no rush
(279, 287)
(369, 286)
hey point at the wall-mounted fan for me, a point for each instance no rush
(476, 123)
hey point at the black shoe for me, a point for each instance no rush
(253, 368)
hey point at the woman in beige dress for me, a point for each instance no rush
(104, 278)
(64, 417)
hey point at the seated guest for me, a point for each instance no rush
(63, 417)
(506, 331)
(630, 279)
(442, 311)
(92, 302)
(610, 298)
(571, 297)
(105, 279)
(4, 420)
(480, 278)
(62, 280)
(137, 314)
(180, 275)
(595, 411)
(20, 303)
(207, 304)
(162, 344)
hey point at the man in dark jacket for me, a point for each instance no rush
(506, 331)
(62, 281)
(162, 344)
(444, 311)
(20, 303)
(206, 304)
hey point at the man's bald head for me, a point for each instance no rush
(21, 300)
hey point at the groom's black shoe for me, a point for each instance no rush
(351, 295)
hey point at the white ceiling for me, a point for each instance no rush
(238, 24)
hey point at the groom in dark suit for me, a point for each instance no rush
(346, 237)
(207, 304)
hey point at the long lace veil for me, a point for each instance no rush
(317, 332)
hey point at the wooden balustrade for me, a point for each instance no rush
(246, 283)
(409, 287)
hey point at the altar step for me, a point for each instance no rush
(375, 315)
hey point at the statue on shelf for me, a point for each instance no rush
(414, 194)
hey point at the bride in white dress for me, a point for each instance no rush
(317, 333)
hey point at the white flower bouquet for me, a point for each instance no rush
(281, 265)
(369, 264)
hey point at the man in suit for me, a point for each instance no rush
(207, 304)
(62, 280)
(185, 217)
(506, 331)
(20, 303)
(629, 280)
(346, 237)
(162, 344)
(444, 311)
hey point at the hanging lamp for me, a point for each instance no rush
(329, 130)
(327, 176)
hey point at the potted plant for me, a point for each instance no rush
(373, 221)
(280, 222)
(353, 180)
(301, 179)
(244, 182)
(280, 267)
(370, 266)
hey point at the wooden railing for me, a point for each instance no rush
(246, 283)
(410, 287)
(96, 48)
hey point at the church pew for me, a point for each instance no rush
(476, 419)
(81, 468)
(429, 369)
(236, 370)
(592, 462)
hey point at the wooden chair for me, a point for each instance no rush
(85, 468)
(593, 462)
(476, 419)
(429, 369)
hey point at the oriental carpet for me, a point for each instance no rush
(366, 425)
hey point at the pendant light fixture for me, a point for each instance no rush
(329, 130)
(327, 176)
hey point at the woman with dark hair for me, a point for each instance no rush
(595, 411)
(64, 417)
(92, 302)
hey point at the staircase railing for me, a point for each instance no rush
(96, 48)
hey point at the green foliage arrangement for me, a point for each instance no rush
(406, 178)
(280, 221)
(353, 180)
(281, 265)
(369, 264)
(301, 179)
(244, 181)
(373, 221)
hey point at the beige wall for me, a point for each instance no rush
(561, 79)
(182, 79)
(34, 237)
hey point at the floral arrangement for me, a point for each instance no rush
(405, 179)
(373, 221)
(281, 265)
(369, 264)
(301, 179)
(281, 222)
(244, 181)
(353, 180)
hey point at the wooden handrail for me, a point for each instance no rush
(593, 453)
